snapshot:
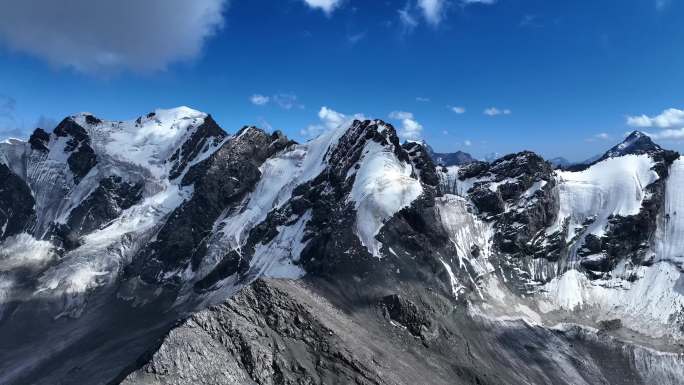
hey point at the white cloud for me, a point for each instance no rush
(669, 118)
(457, 109)
(109, 36)
(668, 134)
(410, 129)
(259, 100)
(329, 120)
(433, 10)
(493, 111)
(327, 6)
(422, 99)
(468, 143)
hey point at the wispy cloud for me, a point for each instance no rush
(601, 136)
(485, 2)
(467, 143)
(287, 101)
(410, 128)
(356, 38)
(327, 6)
(662, 5)
(493, 111)
(407, 20)
(530, 21)
(422, 99)
(259, 100)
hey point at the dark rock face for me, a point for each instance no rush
(405, 313)
(209, 133)
(423, 163)
(220, 181)
(82, 157)
(39, 140)
(16, 204)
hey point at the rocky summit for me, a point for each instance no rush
(165, 250)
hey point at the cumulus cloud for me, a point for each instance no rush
(493, 111)
(327, 6)
(109, 36)
(410, 128)
(433, 10)
(670, 118)
(457, 109)
(329, 120)
(668, 134)
(259, 100)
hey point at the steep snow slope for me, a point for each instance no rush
(614, 186)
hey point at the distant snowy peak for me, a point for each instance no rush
(636, 143)
(560, 162)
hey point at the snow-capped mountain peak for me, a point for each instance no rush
(635, 143)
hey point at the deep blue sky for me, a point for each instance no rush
(567, 71)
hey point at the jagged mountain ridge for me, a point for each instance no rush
(161, 216)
